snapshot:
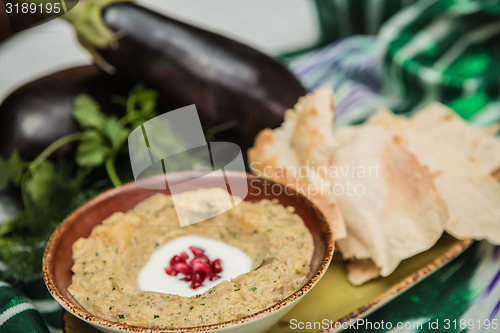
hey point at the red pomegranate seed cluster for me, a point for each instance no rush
(195, 270)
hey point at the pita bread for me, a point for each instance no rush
(471, 193)
(400, 213)
(361, 271)
(441, 123)
(299, 153)
(435, 172)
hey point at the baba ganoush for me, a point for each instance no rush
(108, 262)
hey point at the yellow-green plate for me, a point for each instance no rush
(333, 298)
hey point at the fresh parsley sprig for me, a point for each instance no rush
(52, 187)
(104, 135)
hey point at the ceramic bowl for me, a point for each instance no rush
(57, 261)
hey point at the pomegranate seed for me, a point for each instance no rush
(195, 285)
(175, 260)
(196, 250)
(182, 268)
(203, 257)
(203, 260)
(195, 270)
(201, 267)
(198, 277)
(216, 266)
(170, 271)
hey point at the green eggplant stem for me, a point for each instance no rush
(91, 31)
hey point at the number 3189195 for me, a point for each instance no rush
(33, 8)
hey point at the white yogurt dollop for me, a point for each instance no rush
(152, 277)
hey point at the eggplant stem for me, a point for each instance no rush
(110, 169)
(92, 32)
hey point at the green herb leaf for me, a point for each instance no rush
(39, 184)
(145, 100)
(115, 132)
(93, 150)
(12, 170)
(87, 112)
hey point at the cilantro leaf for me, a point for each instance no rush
(12, 170)
(87, 112)
(39, 184)
(145, 100)
(52, 189)
(141, 105)
(114, 131)
(92, 150)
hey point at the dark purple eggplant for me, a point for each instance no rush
(225, 79)
(35, 115)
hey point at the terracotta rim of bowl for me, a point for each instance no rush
(87, 316)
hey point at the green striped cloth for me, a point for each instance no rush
(17, 313)
(342, 18)
(444, 50)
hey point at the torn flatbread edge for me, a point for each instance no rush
(264, 161)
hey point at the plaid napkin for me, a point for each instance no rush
(442, 50)
(17, 314)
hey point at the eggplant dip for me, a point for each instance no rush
(108, 262)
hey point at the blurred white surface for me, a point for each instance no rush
(37, 52)
(272, 26)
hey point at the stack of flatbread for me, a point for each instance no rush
(389, 187)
